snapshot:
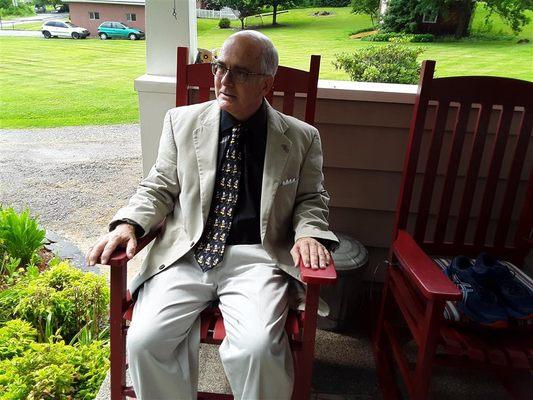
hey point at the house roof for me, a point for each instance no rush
(129, 2)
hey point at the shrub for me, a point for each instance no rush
(378, 37)
(367, 29)
(331, 3)
(20, 235)
(391, 63)
(224, 23)
(55, 371)
(15, 338)
(60, 300)
(400, 37)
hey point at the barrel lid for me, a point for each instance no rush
(350, 254)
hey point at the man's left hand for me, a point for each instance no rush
(313, 254)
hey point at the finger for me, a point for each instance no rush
(322, 252)
(96, 251)
(328, 256)
(109, 249)
(131, 247)
(304, 253)
(313, 250)
(295, 255)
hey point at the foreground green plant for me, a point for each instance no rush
(20, 235)
(16, 336)
(59, 302)
(54, 371)
(393, 63)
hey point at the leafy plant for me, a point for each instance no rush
(54, 371)
(400, 37)
(392, 63)
(20, 234)
(367, 29)
(61, 297)
(15, 338)
(224, 23)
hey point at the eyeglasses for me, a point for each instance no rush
(237, 74)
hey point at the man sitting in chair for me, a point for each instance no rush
(241, 188)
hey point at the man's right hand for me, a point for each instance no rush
(122, 236)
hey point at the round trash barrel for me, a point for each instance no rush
(351, 258)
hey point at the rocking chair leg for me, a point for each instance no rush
(426, 352)
(383, 351)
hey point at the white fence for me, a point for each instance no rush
(215, 14)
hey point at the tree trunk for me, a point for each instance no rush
(275, 13)
(242, 24)
(466, 10)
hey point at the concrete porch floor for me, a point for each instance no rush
(344, 369)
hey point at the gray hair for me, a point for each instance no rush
(269, 54)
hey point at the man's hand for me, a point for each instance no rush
(312, 252)
(122, 236)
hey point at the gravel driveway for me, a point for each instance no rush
(73, 178)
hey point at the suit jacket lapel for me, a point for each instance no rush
(205, 139)
(277, 151)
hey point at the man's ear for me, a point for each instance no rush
(268, 81)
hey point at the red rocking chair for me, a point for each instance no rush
(300, 326)
(467, 187)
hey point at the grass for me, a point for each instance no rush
(61, 82)
(30, 26)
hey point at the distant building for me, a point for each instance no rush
(91, 13)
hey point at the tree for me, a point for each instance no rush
(370, 7)
(511, 11)
(246, 8)
(276, 3)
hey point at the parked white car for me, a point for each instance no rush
(63, 29)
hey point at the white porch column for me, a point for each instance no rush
(163, 34)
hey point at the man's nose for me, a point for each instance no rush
(227, 78)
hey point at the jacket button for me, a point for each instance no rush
(162, 266)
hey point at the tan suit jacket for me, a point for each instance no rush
(180, 186)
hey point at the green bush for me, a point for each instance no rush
(400, 37)
(224, 23)
(60, 300)
(392, 63)
(20, 235)
(54, 371)
(15, 338)
(378, 37)
(331, 3)
(367, 29)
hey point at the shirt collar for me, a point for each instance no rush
(255, 123)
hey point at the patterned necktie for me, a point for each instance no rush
(210, 249)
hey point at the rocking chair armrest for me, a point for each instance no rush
(119, 256)
(422, 270)
(327, 276)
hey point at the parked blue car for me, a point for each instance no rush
(112, 30)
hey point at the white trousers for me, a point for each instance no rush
(164, 337)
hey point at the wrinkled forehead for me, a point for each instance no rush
(243, 52)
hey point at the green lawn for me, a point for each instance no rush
(62, 82)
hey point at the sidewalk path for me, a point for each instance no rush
(73, 178)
